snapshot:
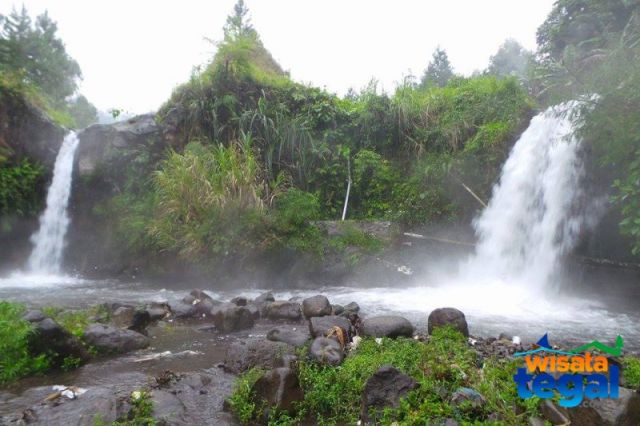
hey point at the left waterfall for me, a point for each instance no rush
(49, 240)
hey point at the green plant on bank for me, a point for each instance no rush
(15, 359)
(76, 321)
(332, 395)
(20, 187)
(631, 372)
(140, 414)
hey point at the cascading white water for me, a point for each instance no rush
(49, 240)
(532, 219)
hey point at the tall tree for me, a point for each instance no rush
(439, 70)
(239, 23)
(511, 59)
(83, 112)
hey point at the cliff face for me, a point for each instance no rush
(25, 133)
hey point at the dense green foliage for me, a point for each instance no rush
(19, 184)
(445, 363)
(15, 359)
(439, 70)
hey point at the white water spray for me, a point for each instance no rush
(49, 240)
(533, 218)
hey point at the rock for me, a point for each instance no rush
(318, 326)
(264, 298)
(297, 338)
(316, 306)
(284, 310)
(158, 311)
(34, 316)
(183, 310)
(229, 317)
(254, 310)
(240, 301)
(536, 421)
(467, 394)
(448, 316)
(337, 309)
(326, 351)
(49, 337)
(624, 410)
(352, 307)
(387, 326)
(277, 389)
(200, 295)
(554, 414)
(242, 355)
(384, 390)
(131, 318)
(167, 407)
(109, 339)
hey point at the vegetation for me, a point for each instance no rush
(445, 363)
(15, 359)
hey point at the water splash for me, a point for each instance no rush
(49, 240)
(535, 214)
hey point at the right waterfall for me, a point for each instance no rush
(536, 211)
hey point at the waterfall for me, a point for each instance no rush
(49, 241)
(534, 216)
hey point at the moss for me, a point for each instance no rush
(631, 372)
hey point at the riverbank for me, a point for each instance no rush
(198, 352)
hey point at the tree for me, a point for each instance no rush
(35, 52)
(83, 112)
(439, 70)
(511, 59)
(239, 24)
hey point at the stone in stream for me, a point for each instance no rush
(319, 326)
(131, 318)
(337, 309)
(283, 310)
(229, 317)
(49, 337)
(291, 336)
(277, 389)
(34, 316)
(624, 410)
(384, 390)
(262, 301)
(326, 351)
(243, 355)
(240, 301)
(387, 326)
(448, 316)
(316, 306)
(109, 339)
(158, 310)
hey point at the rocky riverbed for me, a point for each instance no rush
(185, 357)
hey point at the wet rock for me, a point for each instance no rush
(264, 298)
(316, 306)
(167, 407)
(624, 410)
(283, 310)
(337, 309)
(448, 316)
(277, 389)
(229, 317)
(240, 301)
(318, 326)
(242, 355)
(293, 337)
(326, 351)
(468, 395)
(34, 316)
(553, 413)
(109, 339)
(384, 390)
(254, 310)
(49, 337)
(131, 318)
(351, 311)
(387, 326)
(183, 310)
(198, 294)
(158, 311)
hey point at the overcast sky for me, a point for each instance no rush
(134, 52)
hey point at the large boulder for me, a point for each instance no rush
(277, 389)
(316, 306)
(448, 316)
(387, 326)
(624, 410)
(109, 339)
(158, 311)
(131, 318)
(283, 310)
(229, 317)
(326, 351)
(383, 390)
(244, 355)
(49, 337)
(291, 336)
(319, 326)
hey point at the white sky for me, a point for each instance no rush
(134, 52)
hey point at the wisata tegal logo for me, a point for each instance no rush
(573, 374)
